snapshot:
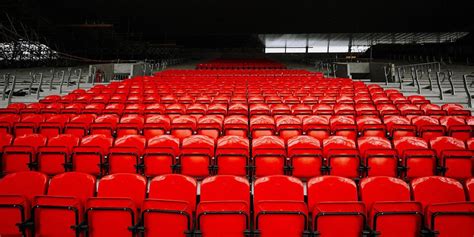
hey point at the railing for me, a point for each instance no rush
(417, 72)
(467, 88)
(6, 84)
(10, 95)
(446, 75)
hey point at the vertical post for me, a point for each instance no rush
(33, 78)
(400, 78)
(39, 86)
(417, 77)
(10, 95)
(79, 78)
(386, 74)
(438, 82)
(468, 92)
(413, 75)
(69, 76)
(6, 79)
(428, 74)
(93, 71)
(63, 74)
(450, 80)
(52, 79)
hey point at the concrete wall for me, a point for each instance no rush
(108, 69)
(343, 70)
(122, 67)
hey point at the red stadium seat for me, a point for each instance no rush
(160, 155)
(378, 156)
(332, 200)
(232, 155)
(456, 110)
(210, 125)
(323, 109)
(428, 127)
(130, 125)
(224, 208)
(28, 124)
(301, 110)
(432, 109)
(5, 140)
(446, 211)
(390, 211)
(262, 125)
(61, 212)
(369, 125)
(93, 109)
(470, 189)
(174, 110)
(280, 109)
(236, 125)
(115, 210)
(89, 157)
(399, 126)
(154, 109)
(238, 109)
(417, 160)
(317, 127)
(305, 156)
(183, 126)
(453, 157)
(104, 124)
(288, 126)
(279, 203)
(125, 155)
(156, 125)
(168, 211)
(269, 155)
(21, 156)
(17, 191)
(456, 127)
(55, 157)
(343, 125)
(53, 125)
(196, 157)
(7, 121)
(342, 157)
(79, 125)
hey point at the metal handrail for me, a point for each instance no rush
(428, 75)
(40, 84)
(438, 81)
(6, 79)
(387, 73)
(400, 80)
(436, 65)
(417, 77)
(450, 80)
(33, 79)
(78, 77)
(468, 92)
(10, 95)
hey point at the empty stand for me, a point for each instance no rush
(205, 153)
